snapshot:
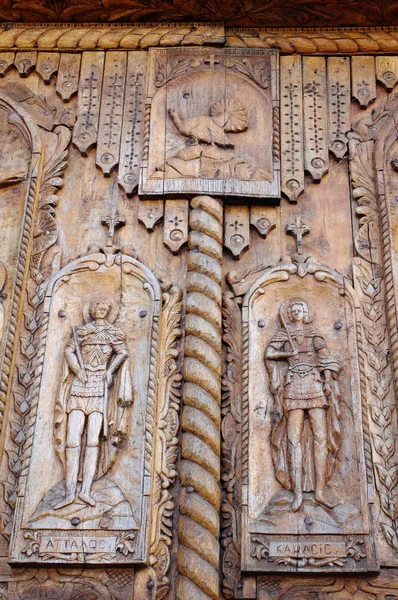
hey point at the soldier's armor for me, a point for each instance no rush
(97, 344)
(303, 385)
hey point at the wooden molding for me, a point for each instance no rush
(107, 37)
(56, 36)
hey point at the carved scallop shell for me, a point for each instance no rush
(230, 115)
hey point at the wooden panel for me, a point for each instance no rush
(25, 62)
(47, 65)
(363, 77)
(68, 75)
(236, 229)
(86, 128)
(316, 154)
(213, 129)
(6, 62)
(387, 71)
(263, 219)
(292, 167)
(175, 230)
(339, 98)
(130, 148)
(150, 213)
(110, 122)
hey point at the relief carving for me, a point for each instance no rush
(96, 394)
(90, 418)
(305, 433)
(211, 142)
(207, 155)
(297, 412)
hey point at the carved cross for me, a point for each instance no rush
(298, 230)
(211, 60)
(112, 222)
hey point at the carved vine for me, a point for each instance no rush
(370, 279)
(168, 426)
(231, 446)
(32, 342)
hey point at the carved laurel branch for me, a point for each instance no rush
(342, 40)
(33, 341)
(370, 284)
(167, 450)
(354, 549)
(231, 446)
(70, 37)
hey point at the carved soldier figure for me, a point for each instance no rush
(305, 435)
(90, 418)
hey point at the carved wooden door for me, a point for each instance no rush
(198, 315)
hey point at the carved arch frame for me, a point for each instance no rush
(235, 408)
(161, 415)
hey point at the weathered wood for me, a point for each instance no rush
(85, 132)
(133, 122)
(316, 152)
(292, 131)
(387, 71)
(6, 62)
(150, 213)
(25, 62)
(111, 113)
(236, 229)
(224, 141)
(175, 229)
(363, 77)
(339, 99)
(47, 65)
(68, 76)
(263, 219)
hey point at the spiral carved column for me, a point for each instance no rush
(198, 526)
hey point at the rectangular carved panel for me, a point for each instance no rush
(305, 504)
(95, 405)
(210, 123)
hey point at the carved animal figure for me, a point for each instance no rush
(225, 116)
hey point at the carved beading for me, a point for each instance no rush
(200, 468)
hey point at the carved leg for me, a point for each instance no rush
(295, 431)
(318, 423)
(89, 469)
(72, 471)
(75, 427)
(91, 457)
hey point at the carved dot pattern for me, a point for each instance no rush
(200, 497)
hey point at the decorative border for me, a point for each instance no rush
(60, 36)
(327, 41)
(342, 40)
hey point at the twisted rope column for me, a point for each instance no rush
(200, 496)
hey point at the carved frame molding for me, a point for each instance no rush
(235, 413)
(61, 36)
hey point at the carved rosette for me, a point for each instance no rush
(200, 496)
